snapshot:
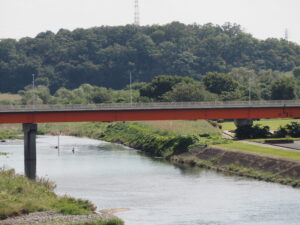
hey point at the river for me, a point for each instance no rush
(158, 193)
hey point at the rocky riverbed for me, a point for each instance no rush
(52, 217)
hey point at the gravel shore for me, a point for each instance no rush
(53, 218)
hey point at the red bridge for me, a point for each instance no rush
(149, 111)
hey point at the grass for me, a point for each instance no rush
(20, 195)
(267, 151)
(114, 221)
(274, 124)
(84, 129)
(184, 127)
(261, 140)
(10, 97)
(9, 134)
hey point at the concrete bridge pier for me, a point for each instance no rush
(243, 122)
(30, 130)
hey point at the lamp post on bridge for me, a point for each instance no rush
(249, 90)
(130, 82)
(33, 89)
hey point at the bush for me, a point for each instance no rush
(291, 130)
(250, 132)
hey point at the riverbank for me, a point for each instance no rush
(244, 164)
(20, 198)
(210, 151)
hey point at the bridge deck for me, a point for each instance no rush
(149, 106)
(149, 111)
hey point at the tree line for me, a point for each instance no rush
(104, 56)
(172, 88)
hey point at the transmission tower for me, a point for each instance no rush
(286, 34)
(136, 13)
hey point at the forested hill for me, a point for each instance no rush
(104, 56)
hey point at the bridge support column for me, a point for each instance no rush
(243, 122)
(30, 130)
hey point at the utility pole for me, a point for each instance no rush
(33, 100)
(136, 13)
(249, 90)
(130, 82)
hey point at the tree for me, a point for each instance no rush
(218, 83)
(101, 95)
(296, 72)
(161, 85)
(188, 92)
(283, 89)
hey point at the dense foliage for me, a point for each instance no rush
(289, 130)
(104, 56)
(252, 132)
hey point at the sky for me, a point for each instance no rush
(261, 18)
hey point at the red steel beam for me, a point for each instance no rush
(154, 114)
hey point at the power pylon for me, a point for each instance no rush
(136, 13)
(286, 34)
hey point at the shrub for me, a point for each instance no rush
(292, 130)
(249, 132)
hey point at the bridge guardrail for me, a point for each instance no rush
(147, 106)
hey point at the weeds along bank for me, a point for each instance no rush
(19, 196)
(156, 142)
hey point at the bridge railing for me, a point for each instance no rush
(151, 105)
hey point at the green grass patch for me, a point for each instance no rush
(20, 195)
(267, 151)
(10, 97)
(84, 129)
(261, 140)
(183, 127)
(114, 221)
(9, 134)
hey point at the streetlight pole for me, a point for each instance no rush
(130, 82)
(249, 91)
(33, 100)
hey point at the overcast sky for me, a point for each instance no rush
(261, 18)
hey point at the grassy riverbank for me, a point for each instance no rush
(9, 134)
(242, 164)
(178, 145)
(261, 150)
(161, 142)
(19, 195)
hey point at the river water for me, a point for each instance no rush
(158, 193)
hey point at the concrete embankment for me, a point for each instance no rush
(243, 164)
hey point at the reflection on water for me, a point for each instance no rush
(113, 176)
